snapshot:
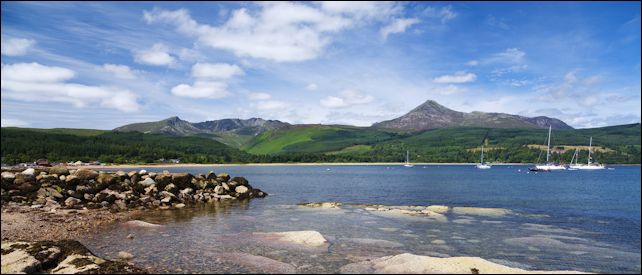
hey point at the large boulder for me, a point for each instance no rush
(239, 181)
(25, 183)
(108, 180)
(7, 179)
(86, 174)
(162, 180)
(182, 180)
(59, 170)
(223, 177)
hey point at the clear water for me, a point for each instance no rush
(567, 220)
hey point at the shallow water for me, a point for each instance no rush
(579, 220)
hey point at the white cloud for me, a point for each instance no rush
(119, 71)
(259, 96)
(277, 31)
(444, 14)
(510, 55)
(397, 26)
(12, 122)
(157, 55)
(201, 89)
(16, 46)
(35, 82)
(34, 72)
(346, 98)
(215, 70)
(311, 87)
(458, 77)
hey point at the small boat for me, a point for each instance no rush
(408, 159)
(548, 166)
(589, 165)
(481, 164)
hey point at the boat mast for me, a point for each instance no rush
(407, 159)
(589, 154)
(482, 156)
(548, 146)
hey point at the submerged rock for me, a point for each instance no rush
(306, 238)
(141, 224)
(332, 204)
(259, 263)
(493, 212)
(415, 264)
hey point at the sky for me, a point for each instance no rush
(101, 65)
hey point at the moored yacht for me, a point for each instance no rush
(548, 166)
(589, 165)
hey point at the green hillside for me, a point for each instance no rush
(63, 131)
(26, 145)
(314, 139)
(321, 143)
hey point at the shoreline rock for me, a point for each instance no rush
(58, 187)
(415, 264)
(58, 257)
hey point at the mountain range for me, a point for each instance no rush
(427, 116)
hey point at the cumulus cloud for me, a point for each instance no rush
(201, 89)
(16, 46)
(346, 98)
(210, 81)
(397, 26)
(259, 96)
(458, 77)
(119, 71)
(157, 55)
(215, 70)
(35, 82)
(279, 31)
(472, 63)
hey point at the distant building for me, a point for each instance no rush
(174, 160)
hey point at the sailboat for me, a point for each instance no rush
(548, 166)
(408, 159)
(481, 164)
(574, 158)
(589, 165)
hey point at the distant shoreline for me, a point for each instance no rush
(127, 166)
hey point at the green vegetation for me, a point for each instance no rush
(26, 145)
(314, 139)
(318, 143)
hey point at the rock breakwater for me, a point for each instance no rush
(59, 187)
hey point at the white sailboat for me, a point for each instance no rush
(574, 158)
(481, 164)
(589, 165)
(408, 159)
(548, 166)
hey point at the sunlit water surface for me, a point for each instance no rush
(567, 220)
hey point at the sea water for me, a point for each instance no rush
(563, 220)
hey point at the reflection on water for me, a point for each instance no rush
(217, 238)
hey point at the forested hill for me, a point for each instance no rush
(323, 143)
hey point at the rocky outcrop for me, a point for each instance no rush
(415, 264)
(86, 188)
(60, 257)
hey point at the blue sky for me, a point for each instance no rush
(102, 65)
